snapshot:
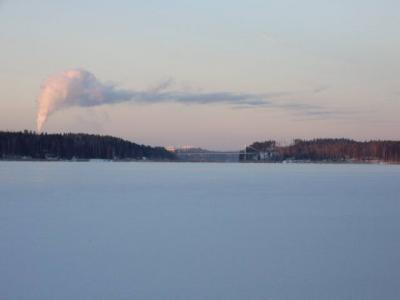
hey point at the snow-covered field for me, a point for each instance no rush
(103, 230)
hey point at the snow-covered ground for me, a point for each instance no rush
(90, 230)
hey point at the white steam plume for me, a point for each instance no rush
(74, 88)
(81, 88)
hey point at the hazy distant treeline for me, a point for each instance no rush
(324, 150)
(14, 145)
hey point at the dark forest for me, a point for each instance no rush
(67, 146)
(331, 150)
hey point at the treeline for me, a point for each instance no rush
(28, 144)
(335, 150)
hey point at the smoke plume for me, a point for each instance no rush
(74, 88)
(81, 88)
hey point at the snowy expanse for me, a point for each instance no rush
(104, 230)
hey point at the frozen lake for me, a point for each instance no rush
(182, 231)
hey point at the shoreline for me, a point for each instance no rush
(366, 162)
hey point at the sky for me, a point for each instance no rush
(317, 68)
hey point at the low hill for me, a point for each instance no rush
(30, 145)
(333, 150)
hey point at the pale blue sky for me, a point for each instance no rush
(339, 56)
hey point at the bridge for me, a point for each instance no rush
(216, 155)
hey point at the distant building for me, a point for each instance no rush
(170, 148)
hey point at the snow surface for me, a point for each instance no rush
(104, 230)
